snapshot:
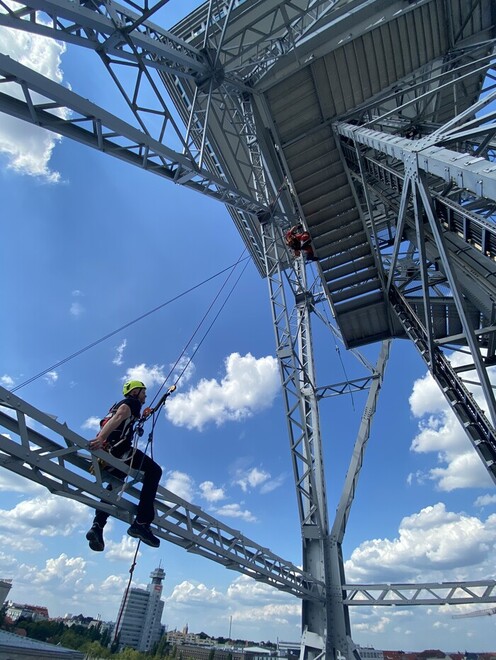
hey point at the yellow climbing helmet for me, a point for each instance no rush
(131, 385)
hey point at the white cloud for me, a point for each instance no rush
(249, 385)
(276, 614)
(251, 478)
(430, 543)
(257, 478)
(58, 574)
(45, 515)
(247, 591)
(92, 424)
(6, 381)
(245, 606)
(119, 352)
(180, 484)
(27, 147)
(76, 309)
(440, 432)
(378, 626)
(271, 485)
(196, 592)
(183, 369)
(485, 500)
(148, 375)
(122, 551)
(235, 511)
(12, 482)
(211, 493)
(51, 377)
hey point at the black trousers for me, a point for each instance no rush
(151, 479)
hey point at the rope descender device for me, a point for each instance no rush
(147, 412)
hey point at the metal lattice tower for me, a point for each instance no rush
(370, 121)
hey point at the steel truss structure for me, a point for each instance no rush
(418, 155)
(428, 200)
(57, 458)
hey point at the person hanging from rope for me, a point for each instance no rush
(299, 241)
(116, 436)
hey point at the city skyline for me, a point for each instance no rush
(185, 636)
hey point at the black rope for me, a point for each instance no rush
(123, 327)
(124, 600)
(199, 325)
(154, 412)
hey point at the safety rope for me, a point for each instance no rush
(138, 432)
(126, 592)
(123, 327)
(199, 325)
(154, 411)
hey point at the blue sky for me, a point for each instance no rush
(90, 243)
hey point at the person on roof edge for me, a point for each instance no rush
(116, 436)
(299, 241)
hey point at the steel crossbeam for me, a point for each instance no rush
(475, 174)
(62, 464)
(105, 27)
(351, 482)
(58, 109)
(431, 593)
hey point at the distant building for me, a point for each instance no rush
(257, 653)
(288, 649)
(369, 653)
(15, 611)
(193, 652)
(176, 637)
(5, 586)
(140, 615)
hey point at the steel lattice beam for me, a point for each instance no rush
(62, 465)
(58, 109)
(106, 27)
(414, 179)
(444, 593)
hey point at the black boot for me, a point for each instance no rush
(144, 533)
(95, 537)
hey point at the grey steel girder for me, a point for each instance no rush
(295, 358)
(479, 430)
(43, 103)
(417, 219)
(106, 27)
(292, 301)
(476, 175)
(260, 32)
(58, 459)
(430, 593)
(351, 482)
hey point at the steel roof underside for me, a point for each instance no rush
(351, 55)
